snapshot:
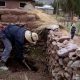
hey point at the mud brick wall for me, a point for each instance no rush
(18, 17)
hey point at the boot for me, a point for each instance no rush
(3, 66)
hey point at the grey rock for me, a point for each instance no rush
(76, 64)
(51, 32)
(69, 70)
(65, 51)
(53, 27)
(69, 63)
(67, 75)
(63, 38)
(60, 45)
(54, 43)
(76, 77)
(56, 70)
(72, 55)
(65, 62)
(61, 72)
(78, 52)
(60, 61)
(53, 73)
(65, 42)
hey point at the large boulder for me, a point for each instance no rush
(76, 64)
(78, 52)
(63, 38)
(69, 48)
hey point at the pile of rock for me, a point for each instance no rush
(64, 56)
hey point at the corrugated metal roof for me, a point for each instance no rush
(45, 1)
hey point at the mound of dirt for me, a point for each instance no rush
(44, 18)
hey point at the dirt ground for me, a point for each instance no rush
(18, 72)
(24, 76)
(77, 40)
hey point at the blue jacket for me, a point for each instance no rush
(2, 35)
(15, 33)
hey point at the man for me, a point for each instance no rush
(73, 30)
(13, 35)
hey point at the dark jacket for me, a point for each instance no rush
(2, 35)
(73, 29)
(15, 33)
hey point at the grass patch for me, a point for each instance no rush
(68, 27)
(37, 53)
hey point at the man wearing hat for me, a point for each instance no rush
(14, 35)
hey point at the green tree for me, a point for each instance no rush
(77, 7)
(55, 5)
(38, 4)
(70, 6)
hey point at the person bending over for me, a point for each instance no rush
(14, 35)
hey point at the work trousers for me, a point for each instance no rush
(72, 35)
(7, 50)
(18, 50)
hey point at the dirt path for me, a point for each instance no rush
(77, 40)
(23, 76)
(20, 73)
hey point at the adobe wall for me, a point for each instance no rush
(17, 16)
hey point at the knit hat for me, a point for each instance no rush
(32, 37)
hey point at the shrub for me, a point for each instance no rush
(38, 4)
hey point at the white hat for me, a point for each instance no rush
(32, 37)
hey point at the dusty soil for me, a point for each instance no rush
(77, 40)
(24, 76)
(45, 18)
(19, 72)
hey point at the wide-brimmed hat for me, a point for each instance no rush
(31, 37)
